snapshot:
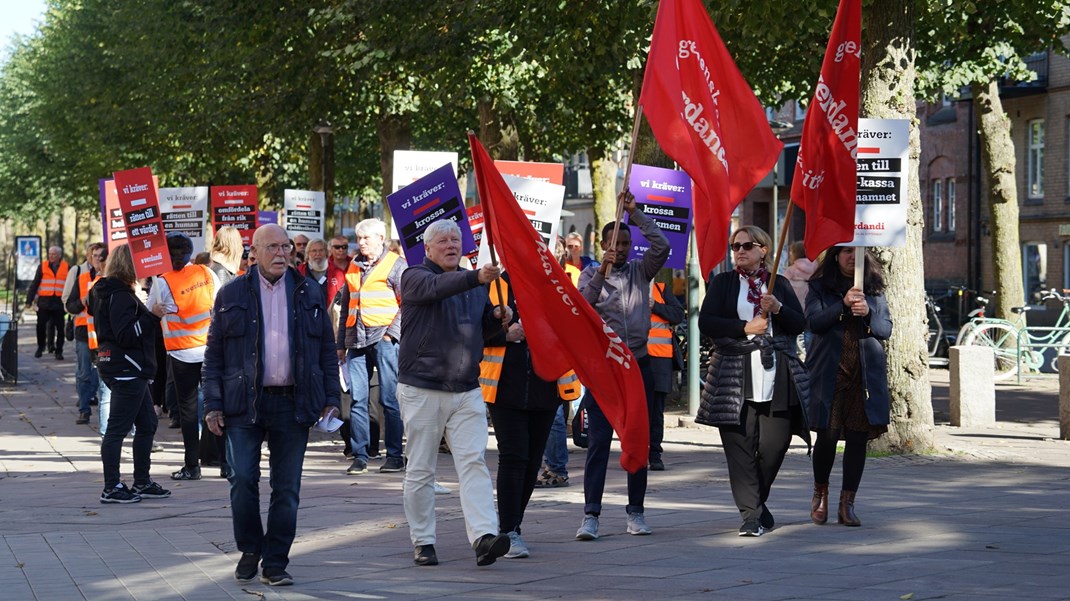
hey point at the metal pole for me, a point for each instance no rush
(694, 337)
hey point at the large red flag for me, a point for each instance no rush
(705, 116)
(825, 180)
(563, 331)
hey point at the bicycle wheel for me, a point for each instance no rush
(1064, 349)
(1003, 340)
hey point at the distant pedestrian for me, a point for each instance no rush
(46, 297)
(665, 312)
(76, 294)
(848, 381)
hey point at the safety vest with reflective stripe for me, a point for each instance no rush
(193, 291)
(659, 341)
(573, 273)
(490, 368)
(373, 299)
(52, 283)
(85, 283)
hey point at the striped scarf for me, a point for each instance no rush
(755, 280)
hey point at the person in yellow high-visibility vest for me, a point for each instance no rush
(183, 299)
(665, 312)
(75, 293)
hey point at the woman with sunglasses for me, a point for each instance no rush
(847, 363)
(755, 388)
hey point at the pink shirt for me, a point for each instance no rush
(277, 369)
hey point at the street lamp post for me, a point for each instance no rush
(326, 135)
(778, 128)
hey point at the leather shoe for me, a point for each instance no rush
(819, 504)
(846, 513)
(247, 567)
(490, 547)
(424, 555)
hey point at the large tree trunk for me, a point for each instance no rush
(395, 133)
(888, 77)
(604, 170)
(497, 133)
(997, 160)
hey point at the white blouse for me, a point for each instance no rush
(761, 378)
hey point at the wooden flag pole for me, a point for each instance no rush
(618, 214)
(780, 244)
(485, 200)
(860, 265)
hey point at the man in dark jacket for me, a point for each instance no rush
(46, 297)
(269, 354)
(447, 317)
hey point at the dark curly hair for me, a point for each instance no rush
(828, 273)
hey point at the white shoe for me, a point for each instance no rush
(637, 524)
(441, 490)
(588, 529)
(517, 548)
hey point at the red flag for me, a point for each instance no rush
(705, 116)
(826, 173)
(563, 331)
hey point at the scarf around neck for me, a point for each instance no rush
(755, 279)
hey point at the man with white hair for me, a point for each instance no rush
(369, 329)
(46, 297)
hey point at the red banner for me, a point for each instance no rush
(825, 182)
(563, 331)
(136, 189)
(235, 206)
(705, 116)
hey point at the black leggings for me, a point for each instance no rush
(854, 456)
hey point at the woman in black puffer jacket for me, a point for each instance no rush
(756, 389)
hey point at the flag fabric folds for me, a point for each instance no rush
(563, 331)
(825, 182)
(706, 117)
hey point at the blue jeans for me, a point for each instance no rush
(85, 375)
(556, 455)
(383, 356)
(286, 440)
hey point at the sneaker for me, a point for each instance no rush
(766, 519)
(359, 466)
(156, 448)
(489, 548)
(174, 424)
(637, 524)
(152, 490)
(393, 464)
(276, 577)
(656, 464)
(83, 418)
(550, 479)
(517, 548)
(424, 555)
(247, 568)
(59, 355)
(38, 354)
(119, 494)
(187, 474)
(589, 528)
(441, 490)
(751, 528)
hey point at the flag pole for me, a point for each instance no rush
(618, 214)
(780, 244)
(484, 199)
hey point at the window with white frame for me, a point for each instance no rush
(1035, 158)
(1034, 270)
(950, 204)
(938, 205)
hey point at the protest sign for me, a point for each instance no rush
(185, 210)
(664, 195)
(416, 206)
(140, 206)
(304, 213)
(235, 206)
(881, 196)
(475, 223)
(411, 165)
(552, 173)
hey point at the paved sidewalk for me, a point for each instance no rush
(984, 519)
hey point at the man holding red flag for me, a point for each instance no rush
(825, 181)
(705, 116)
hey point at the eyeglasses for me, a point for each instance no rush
(340, 246)
(274, 249)
(748, 246)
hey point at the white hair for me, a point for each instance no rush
(371, 226)
(439, 228)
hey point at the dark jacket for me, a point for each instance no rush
(233, 365)
(723, 387)
(126, 331)
(663, 367)
(447, 318)
(827, 316)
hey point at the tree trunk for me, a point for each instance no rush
(496, 134)
(997, 160)
(604, 181)
(888, 77)
(395, 133)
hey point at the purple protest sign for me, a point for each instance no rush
(664, 195)
(433, 197)
(268, 217)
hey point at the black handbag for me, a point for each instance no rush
(68, 329)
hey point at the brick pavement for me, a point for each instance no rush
(984, 518)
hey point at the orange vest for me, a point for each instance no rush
(193, 291)
(84, 318)
(490, 368)
(659, 341)
(373, 299)
(573, 272)
(52, 283)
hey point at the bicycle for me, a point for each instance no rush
(1016, 347)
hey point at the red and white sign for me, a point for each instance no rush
(475, 221)
(235, 206)
(551, 173)
(136, 189)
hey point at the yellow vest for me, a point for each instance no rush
(84, 318)
(373, 299)
(52, 283)
(659, 341)
(193, 291)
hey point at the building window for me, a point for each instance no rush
(800, 110)
(938, 205)
(1035, 158)
(1035, 270)
(951, 204)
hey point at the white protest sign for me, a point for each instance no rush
(304, 213)
(186, 210)
(883, 156)
(541, 202)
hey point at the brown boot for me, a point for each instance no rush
(819, 505)
(847, 515)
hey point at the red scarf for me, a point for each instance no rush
(755, 280)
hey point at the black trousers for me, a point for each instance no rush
(521, 437)
(854, 456)
(186, 378)
(131, 406)
(50, 328)
(755, 450)
(656, 408)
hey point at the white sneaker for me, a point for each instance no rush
(637, 524)
(517, 548)
(441, 490)
(588, 529)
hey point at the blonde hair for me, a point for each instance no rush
(758, 235)
(227, 248)
(120, 265)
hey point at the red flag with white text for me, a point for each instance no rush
(825, 182)
(706, 117)
(563, 331)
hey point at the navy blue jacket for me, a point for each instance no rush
(233, 368)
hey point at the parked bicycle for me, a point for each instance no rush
(1016, 347)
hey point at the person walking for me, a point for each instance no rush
(76, 296)
(45, 296)
(127, 361)
(448, 315)
(756, 389)
(269, 368)
(848, 381)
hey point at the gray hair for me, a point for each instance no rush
(440, 228)
(371, 226)
(319, 241)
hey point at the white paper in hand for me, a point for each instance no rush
(331, 424)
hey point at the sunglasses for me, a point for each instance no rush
(748, 246)
(339, 246)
